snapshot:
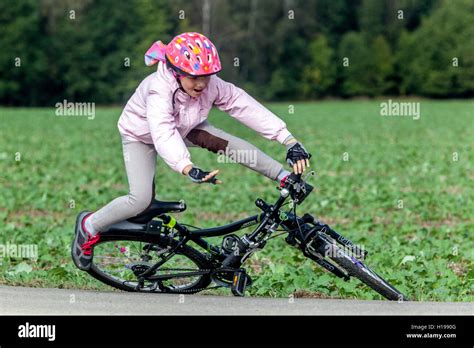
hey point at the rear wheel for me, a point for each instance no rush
(118, 261)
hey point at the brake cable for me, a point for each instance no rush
(297, 220)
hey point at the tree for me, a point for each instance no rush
(366, 65)
(437, 59)
(23, 67)
(383, 63)
(354, 63)
(320, 73)
(86, 51)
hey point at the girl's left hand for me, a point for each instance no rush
(212, 175)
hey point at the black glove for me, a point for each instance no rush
(296, 152)
(196, 175)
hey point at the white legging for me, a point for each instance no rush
(140, 163)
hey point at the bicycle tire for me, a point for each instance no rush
(163, 241)
(356, 268)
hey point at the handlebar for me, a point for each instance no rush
(294, 177)
(294, 186)
(297, 187)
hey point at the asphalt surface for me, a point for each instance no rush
(41, 301)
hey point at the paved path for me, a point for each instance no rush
(40, 301)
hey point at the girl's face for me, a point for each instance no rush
(194, 85)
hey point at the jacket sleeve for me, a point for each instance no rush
(238, 104)
(168, 142)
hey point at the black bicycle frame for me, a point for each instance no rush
(197, 236)
(271, 214)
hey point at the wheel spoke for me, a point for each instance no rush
(122, 261)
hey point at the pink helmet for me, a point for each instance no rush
(188, 54)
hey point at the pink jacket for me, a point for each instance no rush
(150, 116)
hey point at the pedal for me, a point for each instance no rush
(239, 282)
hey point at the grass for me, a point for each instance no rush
(402, 194)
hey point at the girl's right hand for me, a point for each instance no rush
(297, 156)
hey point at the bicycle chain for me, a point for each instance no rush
(199, 289)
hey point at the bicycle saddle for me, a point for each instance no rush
(157, 208)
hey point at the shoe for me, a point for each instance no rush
(83, 243)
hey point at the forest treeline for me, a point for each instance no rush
(92, 50)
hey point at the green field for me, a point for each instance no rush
(405, 193)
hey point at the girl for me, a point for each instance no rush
(166, 114)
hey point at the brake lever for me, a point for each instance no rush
(302, 184)
(306, 175)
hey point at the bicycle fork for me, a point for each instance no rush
(314, 246)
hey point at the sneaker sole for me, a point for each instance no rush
(79, 219)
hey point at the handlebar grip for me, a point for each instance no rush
(295, 177)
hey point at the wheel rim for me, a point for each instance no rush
(119, 259)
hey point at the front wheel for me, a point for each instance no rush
(356, 268)
(117, 262)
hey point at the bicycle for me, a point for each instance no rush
(145, 254)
